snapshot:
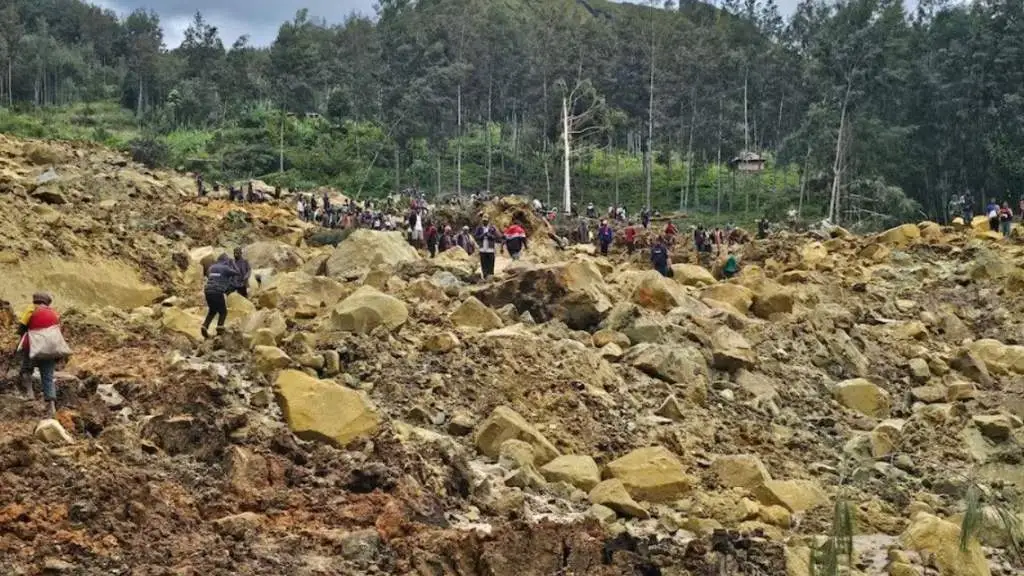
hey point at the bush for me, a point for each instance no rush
(149, 151)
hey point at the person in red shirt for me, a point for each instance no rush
(630, 234)
(515, 240)
(670, 233)
(39, 317)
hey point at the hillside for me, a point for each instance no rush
(372, 411)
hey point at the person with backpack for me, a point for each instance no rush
(221, 280)
(731, 267)
(515, 240)
(605, 235)
(660, 258)
(992, 212)
(40, 347)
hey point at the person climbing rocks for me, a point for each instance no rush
(660, 258)
(465, 241)
(300, 207)
(762, 228)
(605, 235)
(630, 234)
(591, 211)
(487, 237)
(699, 238)
(244, 272)
(41, 345)
(645, 218)
(1005, 219)
(220, 281)
(432, 239)
(731, 267)
(515, 240)
(670, 233)
(200, 189)
(447, 239)
(992, 211)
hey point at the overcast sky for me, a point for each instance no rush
(259, 19)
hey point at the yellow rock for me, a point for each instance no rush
(692, 275)
(794, 495)
(86, 282)
(472, 313)
(506, 424)
(730, 350)
(999, 357)
(653, 474)
(441, 342)
(875, 252)
(739, 297)
(813, 254)
(302, 293)
(365, 250)
(366, 309)
(771, 299)
(941, 539)
(608, 336)
(270, 359)
(930, 230)
(776, 516)
(612, 493)
(903, 569)
(579, 470)
(886, 437)
(323, 410)
(655, 292)
(264, 319)
(863, 396)
(900, 235)
(182, 322)
(740, 471)
(798, 561)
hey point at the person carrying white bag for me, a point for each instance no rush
(42, 344)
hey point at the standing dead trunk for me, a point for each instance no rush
(280, 156)
(489, 86)
(398, 170)
(833, 206)
(458, 146)
(803, 183)
(566, 194)
(650, 118)
(718, 162)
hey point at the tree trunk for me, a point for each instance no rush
(438, 195)
(803, 184)
(489, 86)
(718, 162)
(616, 177)
(746, 122)
(566, 194)
(833, 206)
(398, 170)
(280, 154)
(650, 117)
(138, 103)
(458, 146)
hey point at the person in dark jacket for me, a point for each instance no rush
(447, 239)
(465, 241)
(660, 258)
(433, 239)
(487, 237)
(605, 234)
(244, 272)
(221, 280)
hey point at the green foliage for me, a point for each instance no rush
(149, 151)
(828, 559)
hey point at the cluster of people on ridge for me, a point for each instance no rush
(1000, 216)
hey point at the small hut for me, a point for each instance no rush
(748, 162)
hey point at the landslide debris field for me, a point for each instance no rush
(372, 411)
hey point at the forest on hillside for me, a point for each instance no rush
(861, 109)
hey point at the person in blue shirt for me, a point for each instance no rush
(605, 234)
(660, 258)
(992, 212)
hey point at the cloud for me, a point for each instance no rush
(259, 19)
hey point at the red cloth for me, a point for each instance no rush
(670, 229)
(41, 317)
(630, 233)
(515, 231)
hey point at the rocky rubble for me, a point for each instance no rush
(372, 411)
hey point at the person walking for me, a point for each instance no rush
(605, 235)
(630, 234)
(465, 241)
(487, 238)
(41, 346)
(992, 212)
(220, 281)
(1005, 219)
(432, 239)
(660, 258)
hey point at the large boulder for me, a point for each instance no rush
(673, 364)
(506, 424)
(864, 396)
(302, 294)
(812, 255)
(574, 292)
(999, 358)
(364, 250)
(794, 495)
(771, 298)
(655, 292)
(900, 235)
(182, 322)
(323, 410)
(941, 541)
(692, 275)
(730, 350)
(472, 313)
(578, 470)
(366, 309)
(269, 359)
(85, 282)
(653, 474)
(277, 256)
(740, 471)
(739, 297)
(271, 321)
(613, 494)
